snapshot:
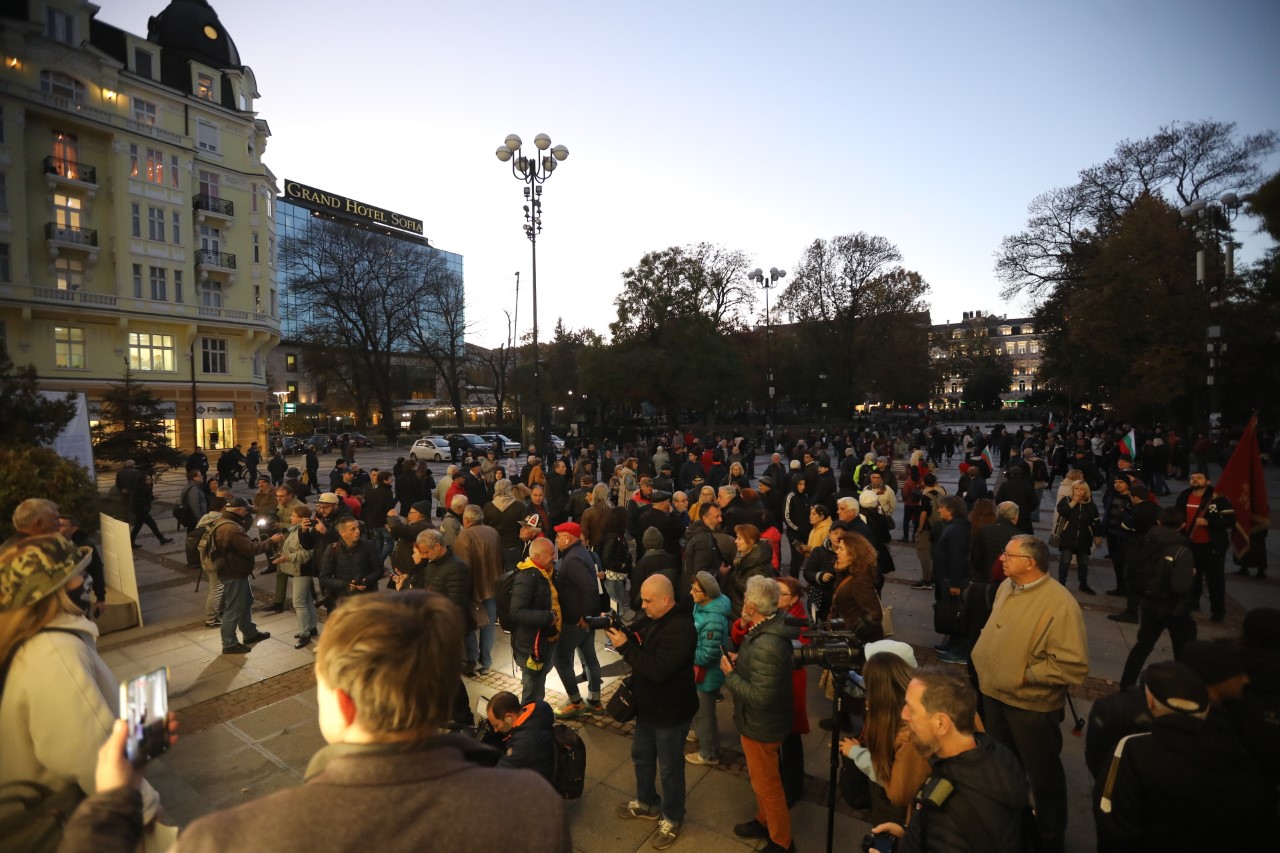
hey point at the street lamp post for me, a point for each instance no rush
(1207, 217)
(533, 172)
(757, 275)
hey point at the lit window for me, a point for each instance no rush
(291, 362)
(204, 87)
(159, 284)
(207, 136)
(1035, 346)
(68, 347)
(1022, 347)
(144, 112)
(68, 273)
(155, 166)
(1006, 330)
(173, 171)
(66, 213)
(66, 151)
(151, 352)
(1028, 330)
(214, 354)
(133, 161)
(155, 224)
(291, 387)
(64, 86)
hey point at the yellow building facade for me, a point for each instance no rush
(136, 214)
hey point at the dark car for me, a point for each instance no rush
(359, 439)
(468, 441)
(322, 441)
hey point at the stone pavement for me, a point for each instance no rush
(248, 723)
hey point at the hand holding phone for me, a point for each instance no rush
(144, 707)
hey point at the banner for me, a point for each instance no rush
(1242, 484)
(117, 560)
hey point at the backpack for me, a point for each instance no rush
(183, 512)
(205, 547)
(1153, 578)
(506, 584)
(570, 767)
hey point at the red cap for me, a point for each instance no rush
(573, 528)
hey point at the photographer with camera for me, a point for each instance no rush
(976, 796)
(522, 734)
(759, 677)
(579, 592)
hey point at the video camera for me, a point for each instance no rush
(829, 646)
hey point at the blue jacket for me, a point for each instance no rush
(711, 619)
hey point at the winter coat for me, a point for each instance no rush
(657, 562)
(481, 549)
(856, 602)
(297, 560)
(951, 554)
(503, 514)
(450, 577)
(711, 620)
(660, 653)
(234, 550)
(537, 621)
(756, 562)
(340, 565)
(530, 744)
(378, 501)
(1019, 489)
(1079, 527)
(404, 533)
(761, 681)
(576, 583)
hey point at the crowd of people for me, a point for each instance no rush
(708, 575)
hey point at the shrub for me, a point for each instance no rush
(37, 472)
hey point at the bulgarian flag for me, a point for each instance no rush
(1242, 484)
(986, 457)
(1129, 445)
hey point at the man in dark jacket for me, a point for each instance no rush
(991, 540)
(701, 553)
(473, 484)
(233, 553)
(976, 798)
(1209, 518)
(378, 502)
(523, 734)
(658, 515)
(311, 463)
(1161, 568)
(579, 594)
(660, 654)
(1018, 488)
(759, 677)
(951, 565)
(351, 565)
(536, 614)
(1134, 526)
(440, 570)
(409, 489)
(322, 531)
(558, 492)
(580, 498)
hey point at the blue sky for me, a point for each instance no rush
(759, 126)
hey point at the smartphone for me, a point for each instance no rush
(144, 706)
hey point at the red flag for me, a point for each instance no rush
(1242, 484)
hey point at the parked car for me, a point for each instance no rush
(322, 440)
(468, 441)
(556, 441)
(291, 445)
(501, 441)
(430, 447)
(359, 439)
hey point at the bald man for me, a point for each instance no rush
(665, 699)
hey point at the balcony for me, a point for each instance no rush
(70, 173)
(61, 237)
(210, 207)
(221, 264)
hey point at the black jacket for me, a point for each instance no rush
(378, 501)
(983, 814)
(1215, 509)
(530, 744)
(986, 548)
(576, 584)
(757, 561)
(339, 565)
(1019, 489)
(761, 681)
(409, 490)
(531, 612)
(951, 554)
(657, 562)
(1163, 571)
(660, 654)
(1080, 524)
(701, 553)
(452, 578)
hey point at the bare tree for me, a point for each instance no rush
(440, 332)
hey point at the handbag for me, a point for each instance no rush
(1055, 538)
(622, 704)
(946, 615)
(886, 619)
(37, 827)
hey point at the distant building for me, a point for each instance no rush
(133, 200)
(1013, 338)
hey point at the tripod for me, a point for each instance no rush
(840, 681)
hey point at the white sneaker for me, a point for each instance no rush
(696, 758)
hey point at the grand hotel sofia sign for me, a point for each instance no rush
(349, 208)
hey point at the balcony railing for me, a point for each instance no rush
(78, 236)
(71, 170)
(54, 294)
(223, 313)
(206, 258)
(213, 204)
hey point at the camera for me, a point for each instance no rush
(835, 624)
(599, 623)
(831, 655)
(880, 842)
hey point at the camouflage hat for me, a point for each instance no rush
(34, 567)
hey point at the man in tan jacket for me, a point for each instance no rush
(480, 547)
(1032, 648)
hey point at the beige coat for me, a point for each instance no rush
(60, 702)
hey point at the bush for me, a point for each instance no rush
(37, 472)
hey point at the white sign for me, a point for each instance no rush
(215, 410)
(117, 560)
(75, 441)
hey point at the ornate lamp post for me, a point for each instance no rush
(1208, 219)
(775, 275)
(533, 171)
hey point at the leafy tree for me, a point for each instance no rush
(26, 417)
(28, 472)
(680, 282)
(847, 293)
(132, 426)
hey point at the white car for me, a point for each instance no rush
(556, 441)
(506, 443)
(430, 447)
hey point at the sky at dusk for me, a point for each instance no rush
(758, 126)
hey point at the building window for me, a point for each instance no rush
(292, 388)
(142, 62)
(211, 293)
(68, 274)
(271, 251)
(210, 238)
(177, 228)
(60, 26)
(155, 224)
(209, 183)
(1028, 330)
(5, 271)
(173, 171)
(159, 284)
(207, 136)
(1035, 346)
(64, 86)
(214, 352)
(135, 220)
(273, 302)
(137, 281)
(204, 87)
(1022, 347)
(291, 362)
(257, 298)
(257, 363)
(253, 197)
(66, 213)
(151, 352)
(155, 166)
(68, 347)
(66, 154)
(177, 286)
(255, 247)
(144, 112)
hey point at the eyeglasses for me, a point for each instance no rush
(1009, 556)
